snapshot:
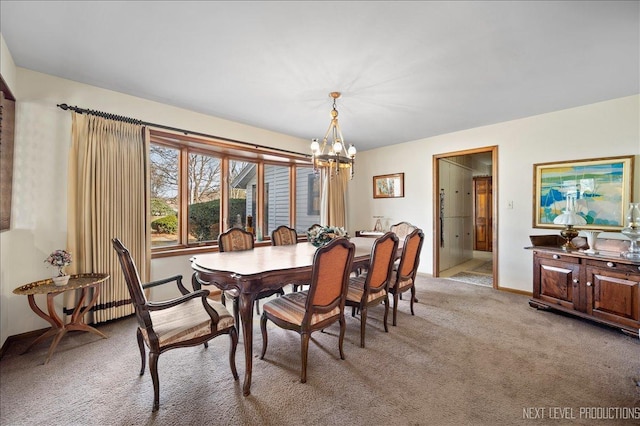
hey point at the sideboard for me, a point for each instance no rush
(602, 287)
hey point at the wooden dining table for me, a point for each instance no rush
(251, 272)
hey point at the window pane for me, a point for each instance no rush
(276, 189)
(203, 198)
(164, 196)
(242, 208)
(307, 199)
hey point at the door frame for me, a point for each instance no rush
(494, 205)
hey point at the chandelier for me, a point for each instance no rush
(338, 156)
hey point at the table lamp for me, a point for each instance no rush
(569, 218)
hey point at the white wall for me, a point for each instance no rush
(43, 137)
(42, 140)
(605, 129)
(7, 67)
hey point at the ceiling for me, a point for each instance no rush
(407, 70)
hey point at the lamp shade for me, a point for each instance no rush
(569, 218)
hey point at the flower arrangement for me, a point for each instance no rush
(322, 235)
(59, 259)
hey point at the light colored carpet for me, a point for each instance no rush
(473, 278)
(470, 356)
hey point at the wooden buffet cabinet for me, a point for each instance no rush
(602, 287)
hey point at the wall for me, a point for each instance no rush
(604, 129)
(43, 137)
(42, 141)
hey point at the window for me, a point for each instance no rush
(201, 187)
(277, 190)
(307, 199)
(164, 195)
(203, 195)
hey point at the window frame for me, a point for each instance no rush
(225, 151)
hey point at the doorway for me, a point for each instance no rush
(465, 216)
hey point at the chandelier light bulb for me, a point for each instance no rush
(351, 151)
(315, 146)
(337, 147)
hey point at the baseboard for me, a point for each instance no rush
(513, 290)
(29, 335)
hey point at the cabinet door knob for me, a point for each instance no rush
(611, 264)
(588, 283)
(555, 256)
(575, 281)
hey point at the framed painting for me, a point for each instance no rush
(388, 186)
(600, 189)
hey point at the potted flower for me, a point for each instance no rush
(322, 235)
(59, 259)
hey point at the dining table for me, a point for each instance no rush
(263, 268)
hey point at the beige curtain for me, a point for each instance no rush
(333, 211)
(108, 197)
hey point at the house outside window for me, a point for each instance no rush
(191, 202)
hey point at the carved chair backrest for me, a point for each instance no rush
(332, 265)
(132, 278)
(411, 255)
(383, 254)
(284, 236)
(235, 239)
(402, 229)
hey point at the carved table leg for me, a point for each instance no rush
(246, 314)
(77, 319)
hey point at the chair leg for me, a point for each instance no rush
(263, 328)
(232, 352)
(236, 311)
(304, 349)
(223, 299)
(386, 313)
(257, 307)
(395, 308)
(363, 324)
(343, 327)
(143, 356)
(153, 367)
(413, 298)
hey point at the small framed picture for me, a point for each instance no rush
(388, 186)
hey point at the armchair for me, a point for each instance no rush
(189, 320)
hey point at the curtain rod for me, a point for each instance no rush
(175, 129)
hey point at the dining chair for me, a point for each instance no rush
(403, 278)
(402, 229)
(189, 320)
(285, 236)
(371, 289)
(320, 306)
(236, 239)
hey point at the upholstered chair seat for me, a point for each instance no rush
(291, 308)
(187, 321)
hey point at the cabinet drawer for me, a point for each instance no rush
(614, 266)
(557, 256)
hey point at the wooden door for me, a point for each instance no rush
(482, 214)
